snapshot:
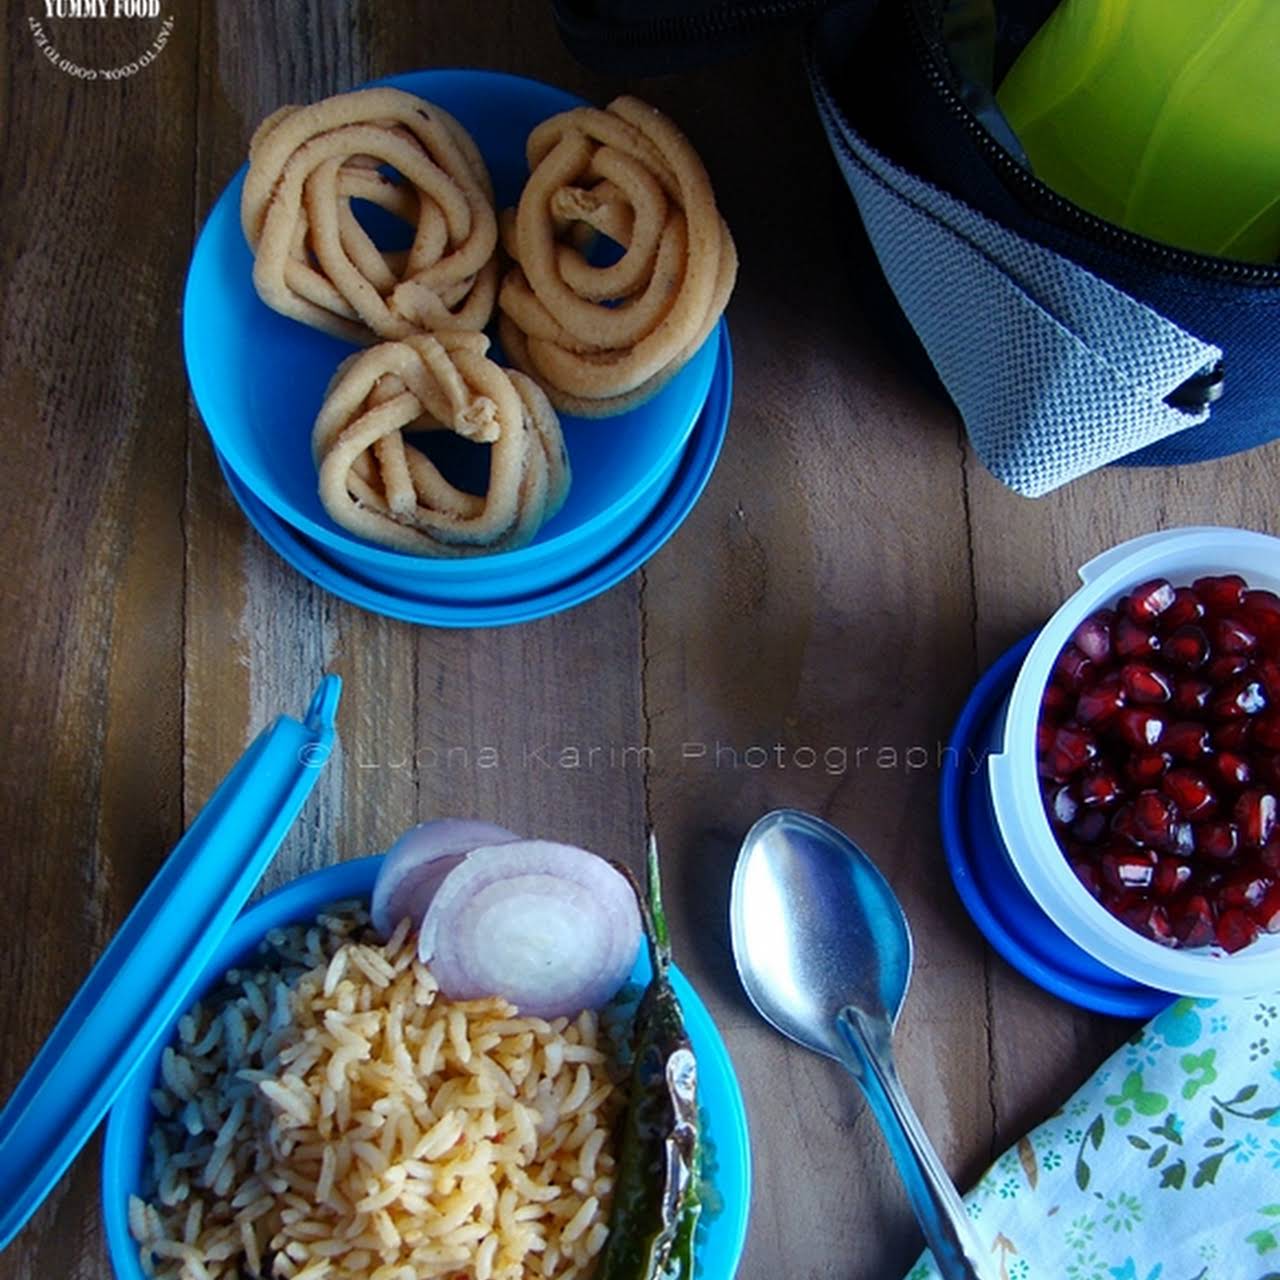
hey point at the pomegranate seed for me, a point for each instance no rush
(1187, 740)
(1255, 814)
(1063, 806)
(1124, 825)
(1187, 607)
(1098, 704)
(1268, 769)
(1090, 826)
(1140, 728)
(1150, 920)
(1270, 857)
(1266, 729)
(1220, 594)
(1192, 921)
(1182, 840)
(1127, 871)
(1217, 840)
(1153, 818)
(1234, 930)
(1087, 874)
(1223, 668)
(1233, 770)
(1262, 612)
(1171, 876)
(1242, 697)
(1269, 674)
(1149, 600)
(1234, 735)
(1267, 912)
(1253, 700)
(1145, 768)
(1057, 702)
(1144, 684)
(1244, 888)
(1044, 737)
(1119, 902)
(1073, 668)
(1099, 788)
(1072, 749)
(1209, 882)
(1133, 641)
(1190, 792)
(1093, 636)
(1191, 696)
(1186, 647)
(1229, 635)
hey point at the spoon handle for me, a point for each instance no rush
(946, 1226)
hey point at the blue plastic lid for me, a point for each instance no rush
(144, 978)
(1009, 917)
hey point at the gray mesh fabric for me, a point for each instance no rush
(1055, 372)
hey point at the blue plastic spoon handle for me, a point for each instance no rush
(144, 978)
(942, 1217)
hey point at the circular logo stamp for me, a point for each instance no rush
(74, 36)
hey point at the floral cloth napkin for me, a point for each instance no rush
(1164, 1166)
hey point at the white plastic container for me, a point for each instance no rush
(1181, 555)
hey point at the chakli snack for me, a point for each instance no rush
(376, 484)
(312, 259)
(601, 339)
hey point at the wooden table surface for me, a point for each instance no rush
(849, 572)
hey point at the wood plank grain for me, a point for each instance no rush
(259, 635)
(1026, 555)
(538, 727)
(806, 639)
(92, 411)
(807, 643)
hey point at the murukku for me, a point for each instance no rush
(314, 261)
(378, 485)
(601, 339)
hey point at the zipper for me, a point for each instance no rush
(694, 28)
(1075, 218)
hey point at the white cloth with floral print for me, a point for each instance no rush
(1164, 1166)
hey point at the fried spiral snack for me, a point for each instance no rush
(601, 339)
(312, 259)
(375, 484)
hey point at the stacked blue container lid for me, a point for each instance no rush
(258, 379)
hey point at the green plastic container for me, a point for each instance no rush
(1162, 116)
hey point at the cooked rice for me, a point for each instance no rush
(330, 1115)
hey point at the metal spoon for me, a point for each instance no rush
(823, 950)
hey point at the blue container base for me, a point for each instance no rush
(1009, 917)
(686, 486)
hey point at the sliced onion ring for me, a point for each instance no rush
(551, 928)
(418, 862)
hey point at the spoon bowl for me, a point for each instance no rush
(815, 927)
(823, 949)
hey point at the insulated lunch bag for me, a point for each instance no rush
(1065, 341)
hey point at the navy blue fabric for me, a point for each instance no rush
(874, 68)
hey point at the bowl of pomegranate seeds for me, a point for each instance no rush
(1138, 789)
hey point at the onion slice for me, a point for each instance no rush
(416, 865)
(551, 928)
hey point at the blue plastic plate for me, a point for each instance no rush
(258, 379)
(1009, 917)
(691, 478)
(728, 1165)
